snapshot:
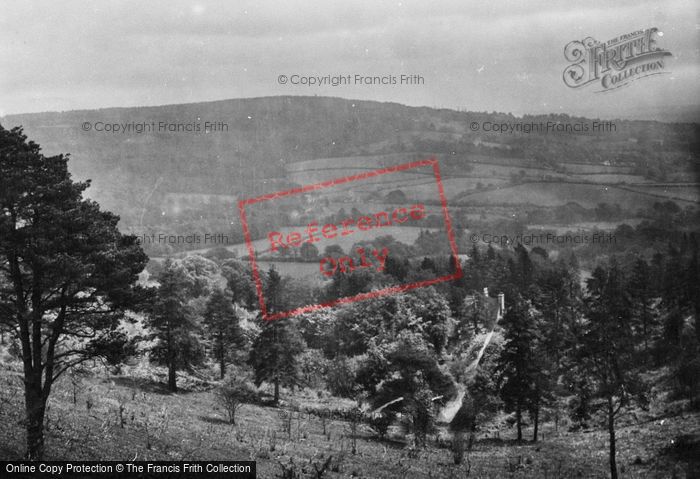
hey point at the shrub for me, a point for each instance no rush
(233, 394)
(340, 378)
(312, 368)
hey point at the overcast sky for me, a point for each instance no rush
(503, 56)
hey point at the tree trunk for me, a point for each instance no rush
(172, 377)
(35, 406)
(611, 430)
(172, 371)
(277, 390)
(472, 435)
(222, 364)
(519, 419)
(536, 418)
(222, 355)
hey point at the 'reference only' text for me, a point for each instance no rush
(329, 265)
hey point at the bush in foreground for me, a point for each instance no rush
(233, 394)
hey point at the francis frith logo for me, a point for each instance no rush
(615, 63)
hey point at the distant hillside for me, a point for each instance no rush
(192, 178)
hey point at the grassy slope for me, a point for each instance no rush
(190, 426)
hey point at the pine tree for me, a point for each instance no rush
(642, 298)
(274, 351)
(66, 273)
(273, 356)
(272, 291)
(517, 362)
(525, 268)
(173, 324)
(223, 326)
(556, 297)
(673, 293)
(606, 353)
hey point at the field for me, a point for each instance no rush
(553, 194)
(155, 425)
(397, 180)
(477, 167)
(426, 189)
(430, 209)
(367, 161)
(611, 178)
(308, 271)
(593, 169)
(586, 226)
(497, 173)
(691, 193)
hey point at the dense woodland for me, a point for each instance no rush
(580, 352)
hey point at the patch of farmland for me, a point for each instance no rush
(486, 215)
(311, 176)
(485, 170)
(554, 194)
(478, 169)
(371, 207)
(351, 162)
(298, 270)
(580, 168)
(419, 183)
(505, 161)
(427, 190)
(586, 225)
(418, 186)
(394, 181)
(610, 178)
(199, 197)
(690, 193)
